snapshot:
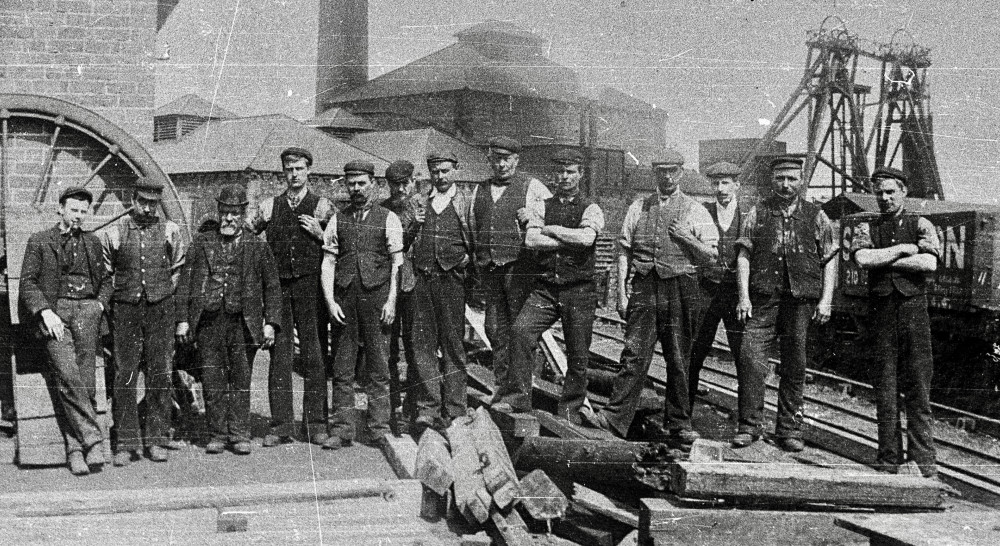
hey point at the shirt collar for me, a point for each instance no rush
(452, 191)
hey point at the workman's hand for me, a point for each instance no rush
(183, 332)
(389, 312)
(337, 314)
(623, 307)
(419, 214)
(523, 215)
(823, 310)
(52, 325)
(744, 309)
(268, 336)
(311, 224)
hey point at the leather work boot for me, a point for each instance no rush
(95, 455)
(215, 446)
(242, 448)
(792, 445)
(77, 465)
(123, 458)
(157, 454)
(744, 439)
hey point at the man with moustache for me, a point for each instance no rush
(667, 237)
(144, 254)
(783, 267)
(566, 238)
(363, 247)
(501, 208)
(294, 223)
(899, 250)
(719, 280)
(229, 301)
(65, 288)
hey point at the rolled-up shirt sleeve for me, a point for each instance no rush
(393, 233)
(593, 218)
(178, 251)
(331, 242)
(536, 217)
(324, 211)
(825, 241)
(535, 199)
(629, 225)
(702, 226)
(745, 239)
(927, 237)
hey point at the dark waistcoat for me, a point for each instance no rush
(142, 264)
(652, 246)
(224, 286)
(569, 265)
(439, 242)
(883, 280)
(498, 232)
(725, 268)
(796, 258)
(296, 252)
(363, 253)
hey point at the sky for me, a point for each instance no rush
(719, 68)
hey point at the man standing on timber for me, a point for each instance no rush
(501, 208)
(229, 300)
(784, 266)
(900, 250)
(294, 222)
(363, 247)
(566, 236)
(145, 254)
(441, 253)
(719, 281)
(65, 288)
(668, 237)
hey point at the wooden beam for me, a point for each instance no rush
(541, 498)
(433, 462)
(600, 504)
(401, 454)
(972, 527)
(591, 461)
(466, 468)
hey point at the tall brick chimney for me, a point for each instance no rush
(342, 48)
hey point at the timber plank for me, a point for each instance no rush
(600, 504)
(466, 467)
(926, 529)
(433, 462)
(401, 454)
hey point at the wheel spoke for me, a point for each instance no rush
(45, 178)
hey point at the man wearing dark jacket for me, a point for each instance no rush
(65, 288)
(229, 301)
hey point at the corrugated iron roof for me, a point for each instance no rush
(254, 143)
(338, 118)
(414, 145)
(193, 105)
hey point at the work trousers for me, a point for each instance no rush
(506, 288)
(904, 366)
(143, 332)
(574, 305)
(73, 367)
(226, 351)
(363, 328)
(401, 336)
(439, 325)
(723, 298)
(668, 310)
(300, 300)
(783, 318)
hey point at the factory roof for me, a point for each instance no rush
(338, 118)
(193, 105)
(414, 146)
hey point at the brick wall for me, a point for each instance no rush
(95, 53)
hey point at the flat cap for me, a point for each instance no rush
(398, 170)
(889, 172)
(232, 194)
(669, 157)
(76, 192)
(296, 151)
(437, 156)
(359, 167)
(148, 189)
(722, 169)
(568, 156)
(788, 161)
(504, 145)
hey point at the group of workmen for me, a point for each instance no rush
(381, 272)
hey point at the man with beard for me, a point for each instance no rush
(900, 249)
(501, 208)
(144, 254)
(229, 301)
(667, 237)
(294, 223)
(441, 253)
(363, 247)
(719, 280)
(566, 237)
(65, 288)
(783, 267)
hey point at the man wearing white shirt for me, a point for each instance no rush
(363, 251)
(441, 252)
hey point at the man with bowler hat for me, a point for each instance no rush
(65, 289)
(144, 254)
(294, 223)
(229, 302)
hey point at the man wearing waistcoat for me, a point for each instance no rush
(566, 238)
(294, 223)
(668, 237)
(65, 289)
(229, 301)
(784, 267)
(441, 253)
(900, 249)
(363, 247)
(144, 254)
(719, 281)
(501, 207)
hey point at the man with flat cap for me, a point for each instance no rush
(899, 250)
(500, 210)
(144, 254)
(719, 280)
(294, 223)
(441, 254)
(64, 289)
(668, 238)
(229, 302)
(565, 235)
(786, 276)
(363, 252)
